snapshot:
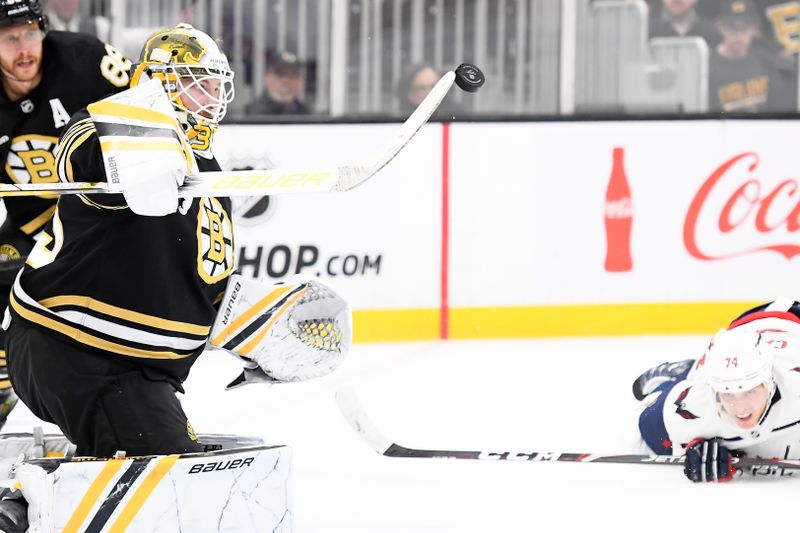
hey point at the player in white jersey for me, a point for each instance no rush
(742, 396)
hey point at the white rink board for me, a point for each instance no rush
(541, 192)
(395, 216)
(527, 206)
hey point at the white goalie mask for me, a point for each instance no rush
(294, 330)
(738, 360)
(196, 76)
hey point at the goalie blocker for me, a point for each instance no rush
(244, 485)
(289, 331)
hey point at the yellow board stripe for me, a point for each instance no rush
(395, 325)
(247, 348)
(125, 314)
(116, 109)
(86, 338)
(37, 223)
(142, 493)
(92, 494)
(670, 318)
(594, 320)
(250, 313)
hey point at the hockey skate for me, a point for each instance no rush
(663, 373)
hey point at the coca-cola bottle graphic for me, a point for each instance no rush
(619, 217)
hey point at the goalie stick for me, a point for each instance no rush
(282, 180)
(354, 413)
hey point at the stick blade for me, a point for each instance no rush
(351, 409)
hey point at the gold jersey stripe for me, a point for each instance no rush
(74, 131)
(136, 502)
(126, 314)
(247, 348)
(220, 339)
(87, 338)
(65, 147)
(116, 109)
(79, 140)
(36, 224)
(91, 203)
(95, 490)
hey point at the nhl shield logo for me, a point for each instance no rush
(26, 106)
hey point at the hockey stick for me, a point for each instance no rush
(358, 419)
(285, 180)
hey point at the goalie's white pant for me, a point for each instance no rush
(237, 489)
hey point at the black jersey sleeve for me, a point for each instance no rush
(101, 68)
(80, 159)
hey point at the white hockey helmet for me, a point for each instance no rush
(737, 361)
(187, 61)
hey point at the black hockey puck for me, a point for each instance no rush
(469, 77)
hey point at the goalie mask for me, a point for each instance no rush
(196, 77)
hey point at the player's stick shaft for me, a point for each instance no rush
(358, 419)
(277, 180)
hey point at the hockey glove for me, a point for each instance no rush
(155, 192)
(708, 460)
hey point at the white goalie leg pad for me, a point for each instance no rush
(295, 330)
(239, 489)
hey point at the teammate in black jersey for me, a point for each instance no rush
(117, 300)
(45, 78)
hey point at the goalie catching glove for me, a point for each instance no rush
(289, 331)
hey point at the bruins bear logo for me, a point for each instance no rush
(214, 241)
(31, 160)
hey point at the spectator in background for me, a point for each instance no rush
(780, 31)
(283, 83)
(65, 15)
(744, 78)
(415, 84)
(679, 18)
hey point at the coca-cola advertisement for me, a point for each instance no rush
(615, 213)
(741, 209)
(618, 217)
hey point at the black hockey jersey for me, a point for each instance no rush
(145, 288)
(77, 70)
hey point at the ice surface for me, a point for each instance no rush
(570, 395)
